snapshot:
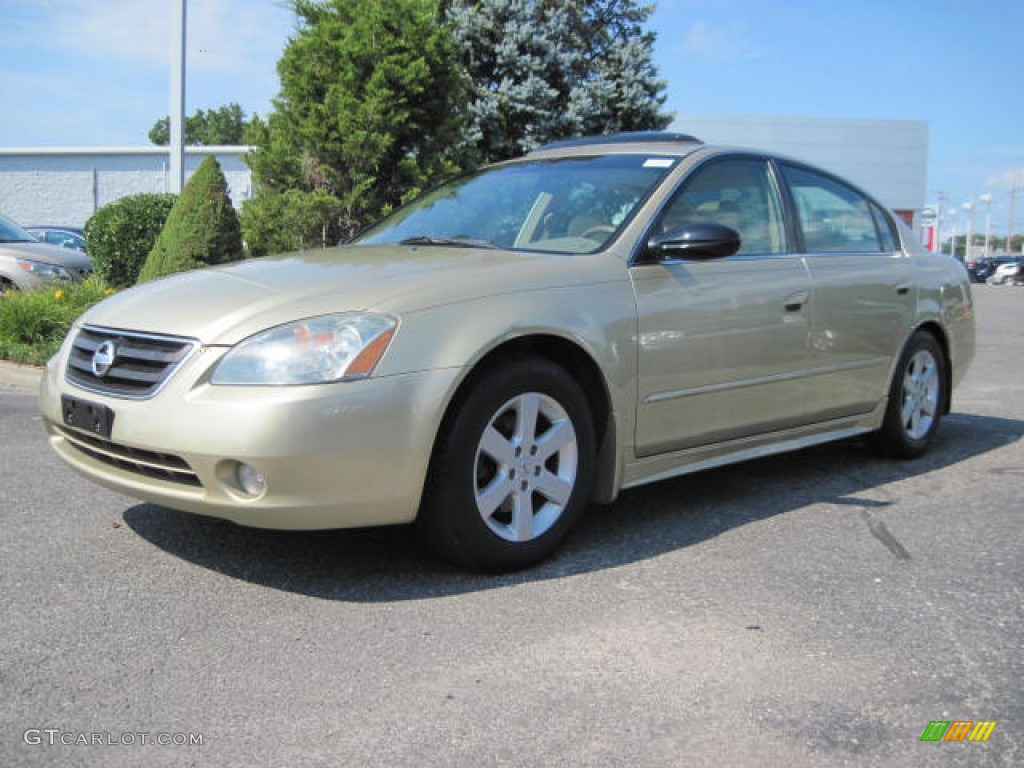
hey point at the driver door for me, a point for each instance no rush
(723, 343)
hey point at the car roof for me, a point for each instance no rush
(655, 143)
(55, 227)
(659, 142)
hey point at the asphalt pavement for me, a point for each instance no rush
(816, 609)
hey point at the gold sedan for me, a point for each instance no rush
(524, 340)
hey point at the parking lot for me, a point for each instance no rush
(813, 609)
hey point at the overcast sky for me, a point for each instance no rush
(95, 72)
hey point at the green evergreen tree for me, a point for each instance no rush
(544, 70)
(224, 125)
(202, 228)
(368, 114)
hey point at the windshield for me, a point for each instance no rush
(572, 205)
(12, 233)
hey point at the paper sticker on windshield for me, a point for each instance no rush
(658, 162)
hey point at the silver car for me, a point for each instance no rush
(65, 237)
(527, 339)
(27, 263)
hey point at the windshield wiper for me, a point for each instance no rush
(458, 242)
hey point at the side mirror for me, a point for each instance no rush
(699, 240)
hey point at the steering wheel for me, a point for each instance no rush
(599, 229)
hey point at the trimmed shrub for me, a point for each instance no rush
(120, 235)
(201, 230)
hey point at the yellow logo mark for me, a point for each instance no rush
(982, 730)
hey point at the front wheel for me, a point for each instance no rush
(917, 397)
(512, 469)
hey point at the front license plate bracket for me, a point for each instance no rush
(92, 417)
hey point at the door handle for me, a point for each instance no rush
(796, 301)
(903, 289)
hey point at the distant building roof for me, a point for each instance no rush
(152, 149)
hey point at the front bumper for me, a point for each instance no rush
(333, 455)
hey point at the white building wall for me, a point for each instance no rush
(58, 185)
(67, 185)
(888, 158)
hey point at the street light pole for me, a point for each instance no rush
(987, 200)
(177, 96)
(1009, 222)
(939, 215)
(951, 214)
(969, 210)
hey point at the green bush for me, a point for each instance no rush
(119, 236)
(34, 323)
(277, 222)
(202, 228)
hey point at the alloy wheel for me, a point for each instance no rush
(525, 467)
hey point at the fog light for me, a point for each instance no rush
(250, 481)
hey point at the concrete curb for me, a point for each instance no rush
(22, 377)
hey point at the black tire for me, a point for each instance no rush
(917, 398)
(502, 494)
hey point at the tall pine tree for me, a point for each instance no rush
(368, 113)
(549, 69)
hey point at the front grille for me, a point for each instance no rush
(162, 466)
(142, 362)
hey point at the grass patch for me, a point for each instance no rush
(34, 323)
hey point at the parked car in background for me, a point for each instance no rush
(978, 270)
(1008, 272)
(27, 263)
(982, 269)
(523, 340)
(66, 237)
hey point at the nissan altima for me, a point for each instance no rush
(530, 338)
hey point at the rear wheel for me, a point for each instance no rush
(916, 399)
(511, 472)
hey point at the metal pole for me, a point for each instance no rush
(987, 200)
(969, 208)
(988, 230)
(1009, 222)
(177, 99)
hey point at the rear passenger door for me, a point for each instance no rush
(862, 294)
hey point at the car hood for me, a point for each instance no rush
(223, 305)
(51, 254)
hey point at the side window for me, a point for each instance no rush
(736, 192)
(890, 240)
(834, 218)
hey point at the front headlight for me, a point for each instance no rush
(43, 270)
(312, 351)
